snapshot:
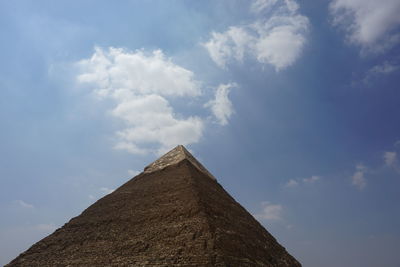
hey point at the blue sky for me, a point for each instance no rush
(292, 105)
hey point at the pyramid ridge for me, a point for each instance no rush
(174, 156)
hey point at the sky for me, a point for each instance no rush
(292, 105)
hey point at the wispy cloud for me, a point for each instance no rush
(292, 183)
(391, 161)
(106, 190)
(390, 158)
(277, 36)
(24, 204)
(370, 24)
(384, 68)
(298, 181)
(358, 179)
(221, 106)
(379, 70)
(270, 212)
(311, 179)
(258, 6)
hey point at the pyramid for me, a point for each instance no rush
(174, 213)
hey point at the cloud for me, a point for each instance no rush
(24, 204)
(281, 40)
(259, 5)
(230, 44)
(120, 73)
(390, 158)
(141, 84)
(311, 179)
(297, 182)
(270, 212)
(370, 24)
(384, 68)
(378, 70)
(221, 106)
(276, 38)
(358, 178)
(106, 190)
(292, 183)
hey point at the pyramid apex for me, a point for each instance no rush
(174, 156)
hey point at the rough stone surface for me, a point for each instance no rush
(174, 156)
(174, 215)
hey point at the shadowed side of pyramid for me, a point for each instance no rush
(172, 214)
(238, 238)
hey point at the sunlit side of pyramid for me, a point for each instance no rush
(172, 214)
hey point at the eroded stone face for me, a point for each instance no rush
(173, 157)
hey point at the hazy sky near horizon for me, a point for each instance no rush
(292, 105)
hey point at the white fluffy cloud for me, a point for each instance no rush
(277, 39)
(358, 178)
(120, 74)
(230, 44)
(140, 85)
(221, 106)
(368, 23)
(270, 212)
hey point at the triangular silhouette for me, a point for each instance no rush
(172, 214)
